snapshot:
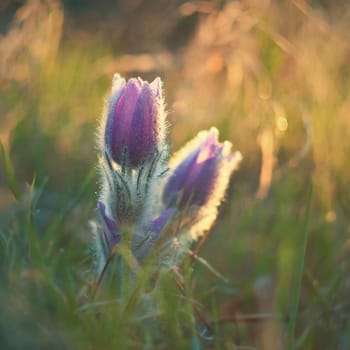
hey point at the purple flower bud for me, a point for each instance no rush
(134, 128)
(158, 224)
(143, 243)
(200, 167)
(111, 232)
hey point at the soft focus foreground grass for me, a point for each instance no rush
(276, 84)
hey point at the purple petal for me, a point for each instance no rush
(198, 189)
(158, 224)
(194, 178)
(119, 120)
(177, 180)
(144, 126)
(111, 225)
(142, 244)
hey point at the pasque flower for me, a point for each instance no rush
(134, 129)
(143, 203)
(200, 167)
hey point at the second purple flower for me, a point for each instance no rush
(198, 169)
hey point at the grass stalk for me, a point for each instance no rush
(291, 341)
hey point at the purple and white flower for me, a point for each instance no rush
(139, 199)
(134, 125)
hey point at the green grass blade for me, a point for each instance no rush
(9, 172)
(299, 275)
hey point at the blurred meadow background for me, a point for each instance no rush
(273, 76)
